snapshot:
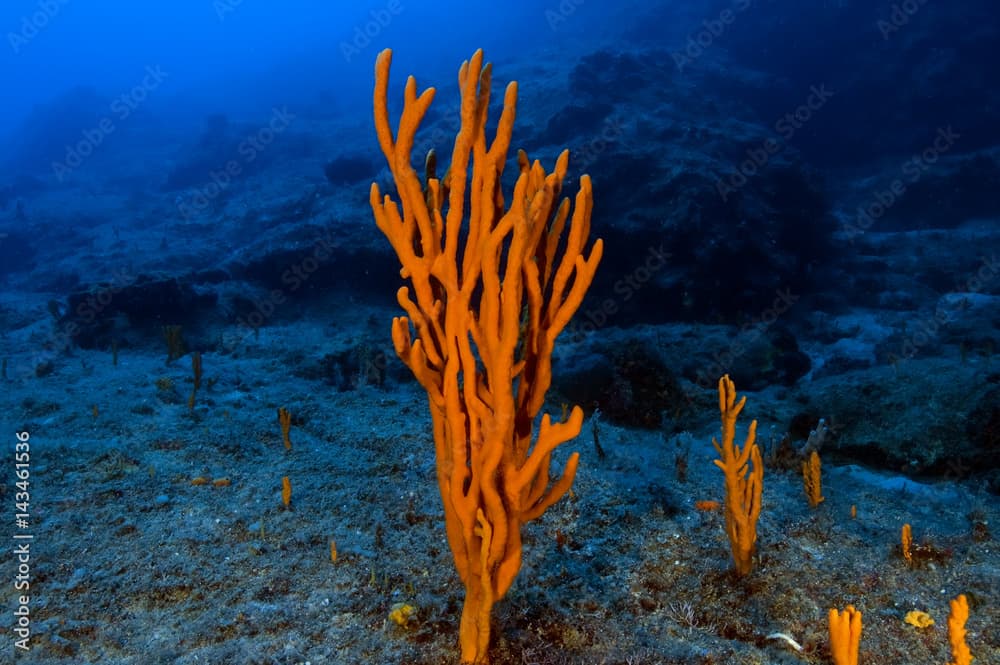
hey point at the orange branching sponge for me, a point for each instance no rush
(492, 282)
(743, 483)
(845, 636)
(956, 631)
(812, 479)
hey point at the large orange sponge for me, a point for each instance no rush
(489, 291)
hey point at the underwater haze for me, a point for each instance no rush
(658, 332)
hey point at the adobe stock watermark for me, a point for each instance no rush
(34, 23)
(293, 278)
(590, 152)
(23, 538)
(929, 327)
(750, 332)
(581, 158)
(61, 337)
(625, 288)
(224, 8)
(911, 171)
(364, 33)
(786, 127)
(899, 17)
(711, 30)
(247, 152)
(120, 109)
(556, 16)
